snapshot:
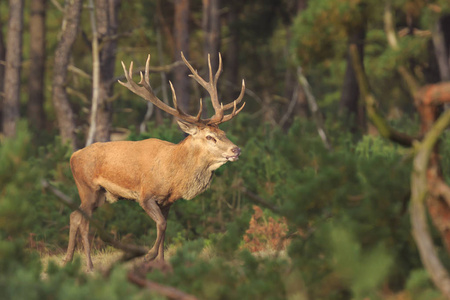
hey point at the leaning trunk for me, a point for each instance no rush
(64, 113)
(349, 104)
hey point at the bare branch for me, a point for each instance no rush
(257, 199)
(312, 104)
(78, 94)
(57, 5)
(79, 72)
(370, 102)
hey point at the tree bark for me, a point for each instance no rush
(13, 68)
(107, 23)
(181, 36)
(35, 110)
(60, 99)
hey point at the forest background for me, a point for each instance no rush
(344, 103)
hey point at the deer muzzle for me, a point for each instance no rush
(236, 152)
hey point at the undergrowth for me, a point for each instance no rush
(340, 229)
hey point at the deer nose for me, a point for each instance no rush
(236, 150)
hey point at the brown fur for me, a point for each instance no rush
(152, 172)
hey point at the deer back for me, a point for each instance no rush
(155, 168)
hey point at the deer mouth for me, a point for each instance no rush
(232, 157)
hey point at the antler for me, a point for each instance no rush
(144, 89)
(211, 87)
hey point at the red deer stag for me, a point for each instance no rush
(153, 172)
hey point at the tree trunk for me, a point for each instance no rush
(63, 52)
(181, 36)
(13, 68)
(2, 74)
(36, 114)
(441, 51)
(349, 104)
(95, 74)
(211, 29)
(232, 57)
(107, 23)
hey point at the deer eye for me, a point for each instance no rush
(210, 138)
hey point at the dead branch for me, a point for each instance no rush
(258, 200)
(79, 72)
(312, 104)
(374, 115)
(290, 109)
(167, 291)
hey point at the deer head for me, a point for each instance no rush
(205, 133)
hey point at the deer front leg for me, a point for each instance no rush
(152, 208)
(165, 212)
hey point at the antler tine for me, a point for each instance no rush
(210, 69)
(174, 96)
(128, 75)
(194, 74)
(147, 67)
(200, 110)
(130, 70)
(234, 106)
(238, 99)
(233, 114)
(219, 70)
(209, 86)
(125, 72)
(144, 90)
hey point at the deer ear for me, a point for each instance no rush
(189, 128)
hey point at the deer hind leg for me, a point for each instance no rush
(75, 220)
(156, 213)
(78, 223)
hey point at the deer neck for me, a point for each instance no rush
(196, 157)
(198, 168)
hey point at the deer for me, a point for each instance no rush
(154, 173)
